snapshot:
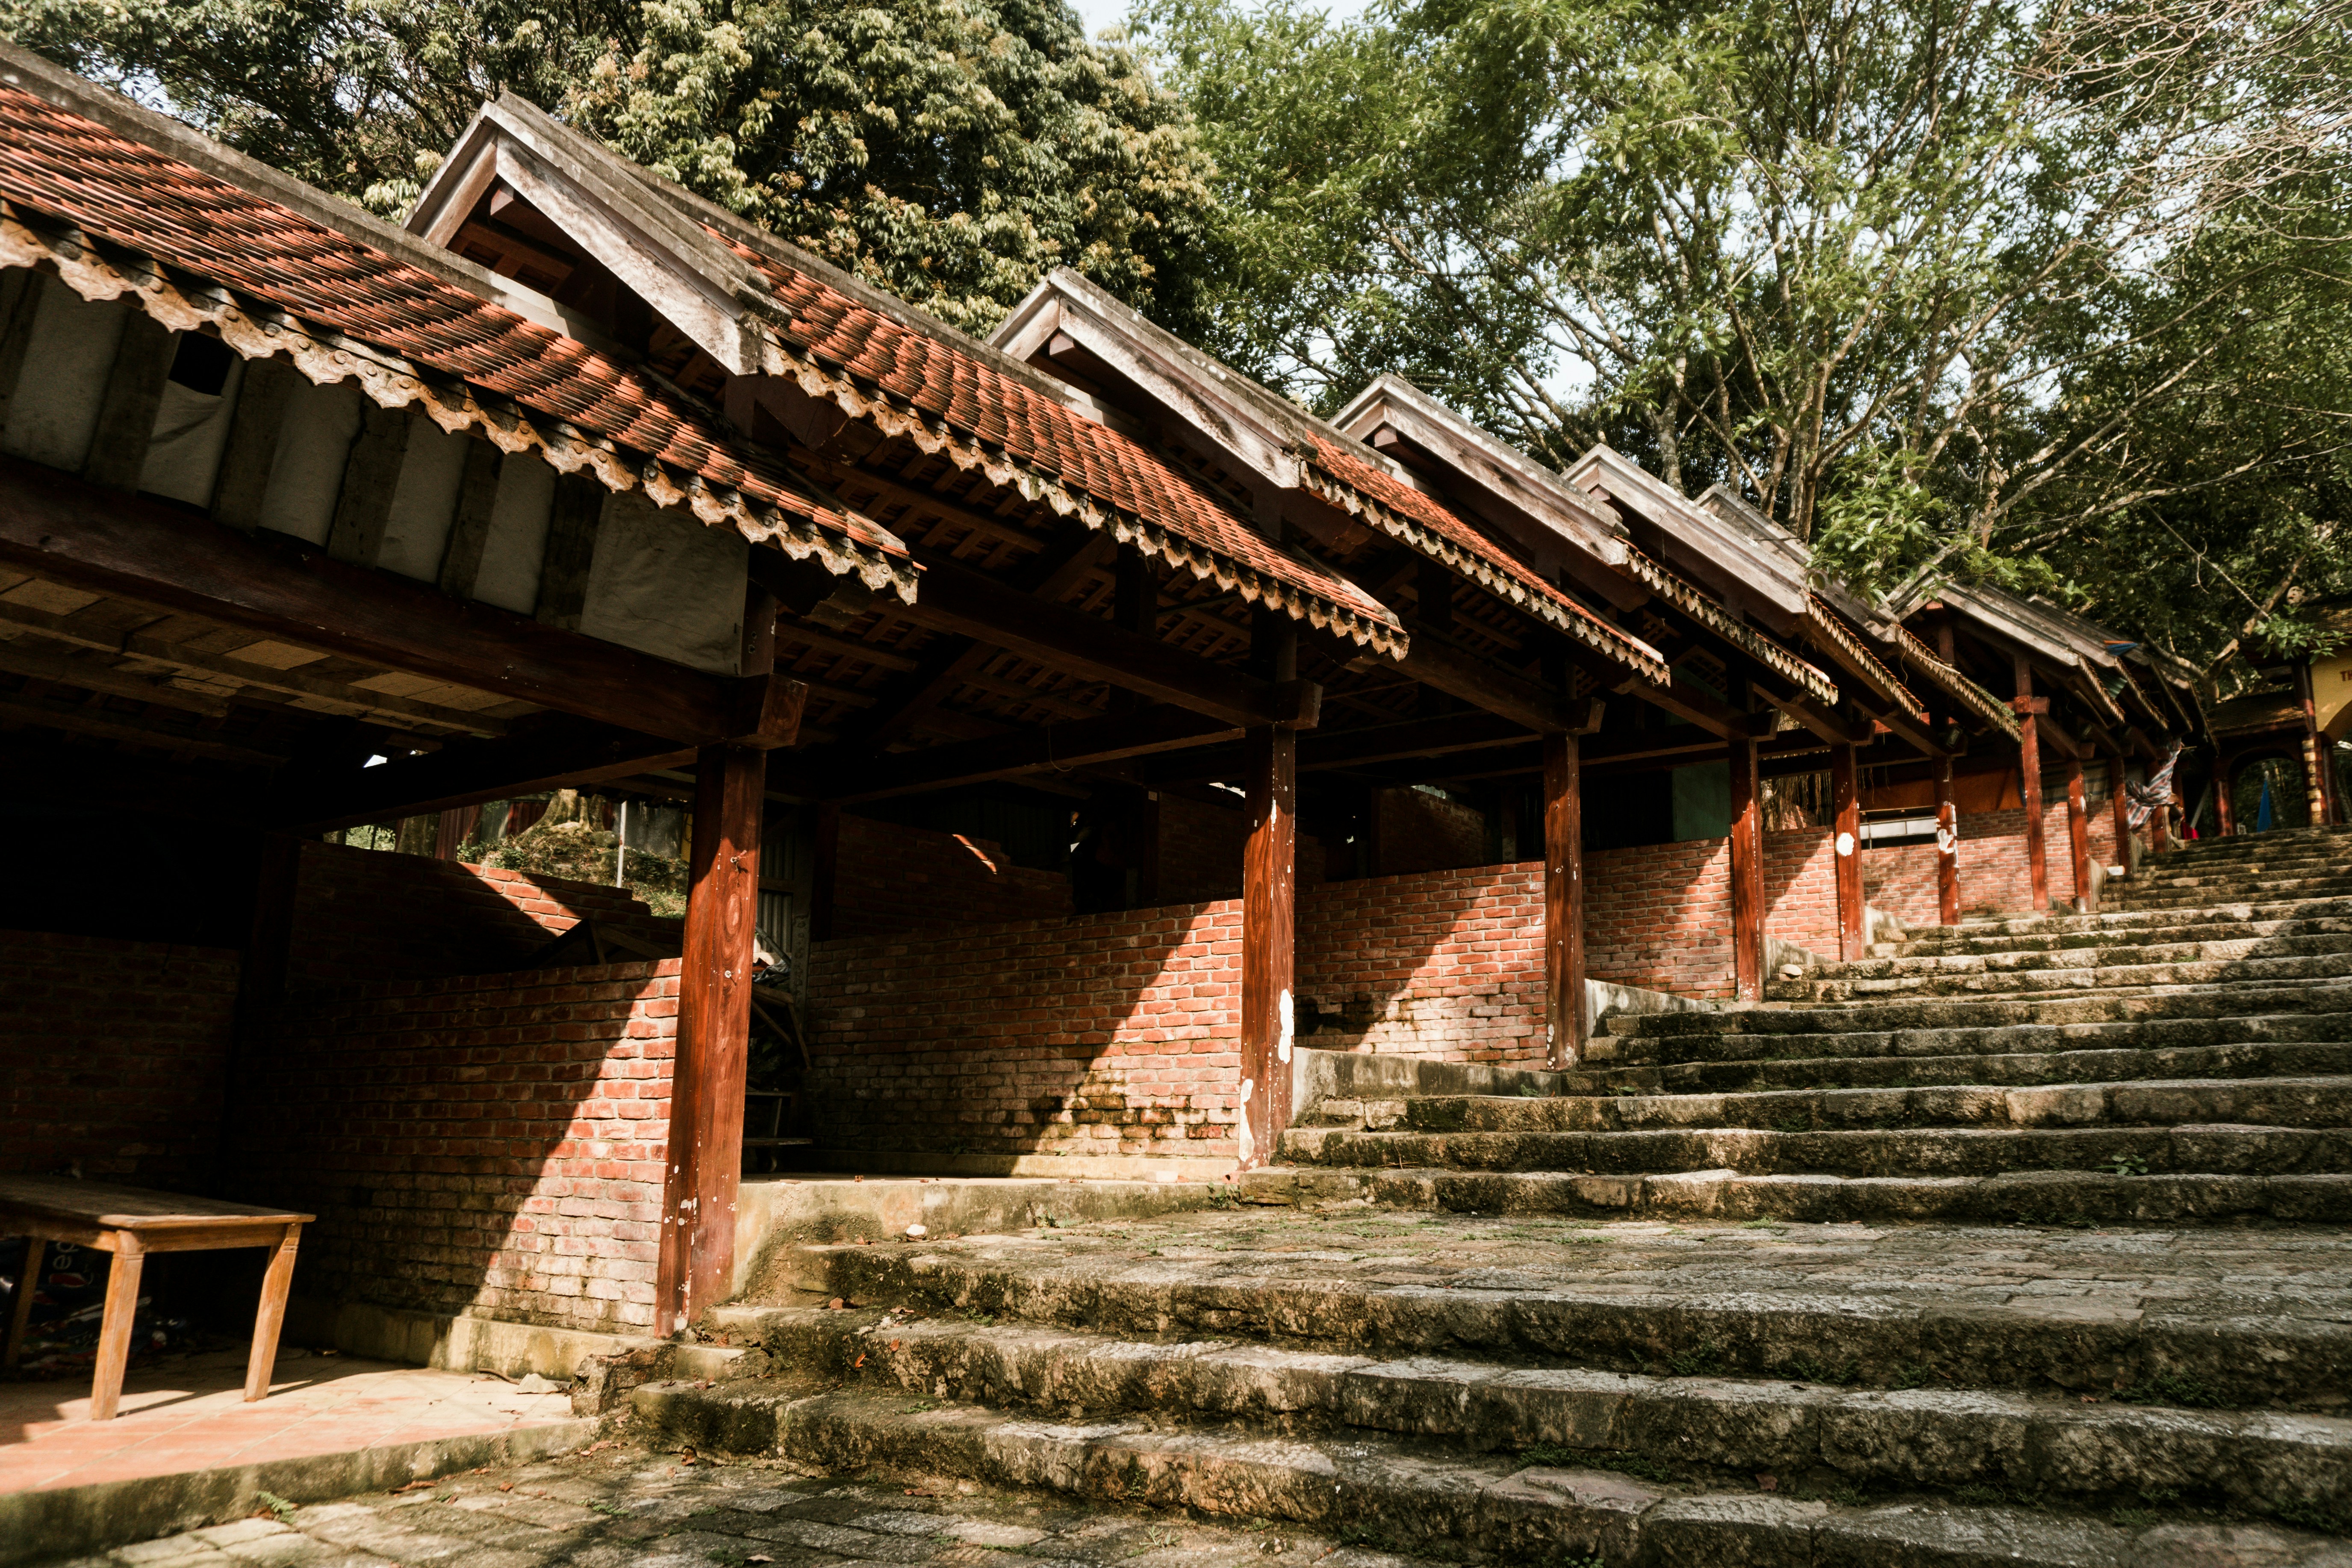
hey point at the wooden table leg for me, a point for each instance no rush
(272, 1315)
(114, 1329)
(36, 1249)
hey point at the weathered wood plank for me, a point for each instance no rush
(571, 549)
(2029, 770)
(1845, 794)
(2078, 835)
(1747, 875)
(1563, 829)
(252, 445)
(1947, 847)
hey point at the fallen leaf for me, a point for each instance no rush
(413, 1486)
(507, 1487)
(861, 1361)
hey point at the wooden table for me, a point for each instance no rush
(132, 1222)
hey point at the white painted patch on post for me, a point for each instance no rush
(1282, 1040)
(1845, 844)
(1247, 1144)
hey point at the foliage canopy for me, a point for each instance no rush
(952, 152)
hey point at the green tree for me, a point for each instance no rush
(1939, 284)
(952, 152)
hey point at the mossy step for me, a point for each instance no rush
(1941, 1013)
(1722, 1193)
(1673, 1420)
(1402, 1495)
(2200, 1152)
(2083, 1061)
(2035, 981)
(2263, 1102)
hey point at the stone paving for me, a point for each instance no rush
(623, 1507)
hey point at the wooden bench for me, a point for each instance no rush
(132, 1222)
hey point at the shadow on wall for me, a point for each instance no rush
(1081, 1045)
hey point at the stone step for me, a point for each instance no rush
(2027, 980)
(2228, 891)
(2214, 1153)
(2255, 1059)
(2234, 1317)
(1936, 944)
(1684, 1425)
(1402, 1495)
(1632, 1036)
(2285, 941)
(2013, 1196)
(2256, 1101)
(2111, 924)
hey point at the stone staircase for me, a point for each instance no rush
(2022, 1241)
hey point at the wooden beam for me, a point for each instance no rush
(140, 731)
(695, 1270)
(1322, 749)
(1715, 716)
(1563, 830)
(560, 752)
(1747, 875)
(1947, 847)
(245, 673)
(64, 527)
(1837, 729)
(1085, 742)
(20, 658)
(1483, 685)
(1846, 797)
(955, 598)
(1269, 957)
(826, 641)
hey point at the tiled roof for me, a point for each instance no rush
(918, 385)
(274, 280)
(1341, 477)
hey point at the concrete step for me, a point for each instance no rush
(2227, 891)
(2014, 1196)
(1402, 1495)
(1995, 1070)
(1685, 1423)
(2228, 1318)
(2215, 1155)
(2111, 924)
(2254, 1101)
(1661, 1035)
(2033, 980)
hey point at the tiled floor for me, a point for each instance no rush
(191, 1414)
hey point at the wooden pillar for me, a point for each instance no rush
(1563, 840)
(2078, 835)
(1947, 847)
(1747, 875)
(1845, 793)
(2225, 812)
(2319, 782)
(2028, 781)
(714, 1031)
(2119, 802)
(1269, 878)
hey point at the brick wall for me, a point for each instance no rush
(1413, 830)
(1995, 872)
(116, 1053)
(366, 914)
(1104, 1035)
(486, 1144)
(890, 879)
(1200, 846)
(1446, 964)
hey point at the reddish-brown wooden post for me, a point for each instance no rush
(2225, 811)
(714, 1031)
(1269, 877)
(2078, 834)
(1563, 838)
(1747, 875)
(1845, 793)
(2119, 802)
(2317, 784)
(1947, 847)
(2028, 779)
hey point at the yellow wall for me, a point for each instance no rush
(2331, 691)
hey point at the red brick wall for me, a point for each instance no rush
(367, 914)
(1801, 891)
(1414, 831)
(1201, 850)
(1996, 874)
(1446, 964)
(1102, 1035)
(116, 1057)
(889, 879)
(491, 1143)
